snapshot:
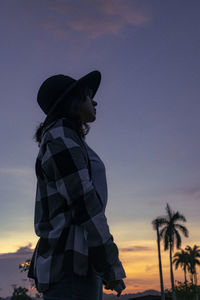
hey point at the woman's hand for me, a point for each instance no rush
(116, 285)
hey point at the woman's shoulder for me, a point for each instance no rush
(60, 129)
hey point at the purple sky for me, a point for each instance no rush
(147, 126)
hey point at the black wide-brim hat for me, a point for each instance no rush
(57, 88)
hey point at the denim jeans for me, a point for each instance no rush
(75, 287)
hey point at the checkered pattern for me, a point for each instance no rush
(69, 213)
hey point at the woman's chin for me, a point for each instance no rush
(92, 118)
(90, 121)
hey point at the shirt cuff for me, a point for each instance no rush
(115, 272)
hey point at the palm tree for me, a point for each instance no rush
(170, 235)
(181, 259)
(194, 254)
(156, 225)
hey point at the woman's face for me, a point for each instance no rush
(87, 108)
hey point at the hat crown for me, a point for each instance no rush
(51, 89)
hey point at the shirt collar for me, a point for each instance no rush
(64, 121)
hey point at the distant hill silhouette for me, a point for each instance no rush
(151, 298)
(146, 295)
(140, 296)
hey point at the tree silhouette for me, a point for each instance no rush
(157, 223)
(182, 259)
(171, 236)
(20, 293)
(194, 254)
(24, 267)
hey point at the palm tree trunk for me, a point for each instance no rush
(171, 273)
(195, 282)
(191, 278)
(195, 277)
(160, 267)
(185, 274)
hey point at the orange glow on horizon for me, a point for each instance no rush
(139, 258)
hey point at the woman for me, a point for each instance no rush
(75, 253)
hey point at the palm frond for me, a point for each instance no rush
(195, 248)
(176, 263)
(178, 239)
(188, 248)
(183, 229)
(163, 232)
(177, 254)
(178, 217)
(166, 242)
(169, 211)
(158, 222)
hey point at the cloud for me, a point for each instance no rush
(16, 171)
(177, 194)
(93, 18)
(26, 250)
(135, 249)
(193, 191)
(150, 268)
(138, 281)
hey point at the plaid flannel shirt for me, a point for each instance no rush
(69, 214)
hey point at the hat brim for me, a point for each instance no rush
(92, 80)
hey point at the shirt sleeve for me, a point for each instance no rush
(64, 163)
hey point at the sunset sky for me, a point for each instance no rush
(147, 125)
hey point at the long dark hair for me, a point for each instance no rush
(70, 109)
